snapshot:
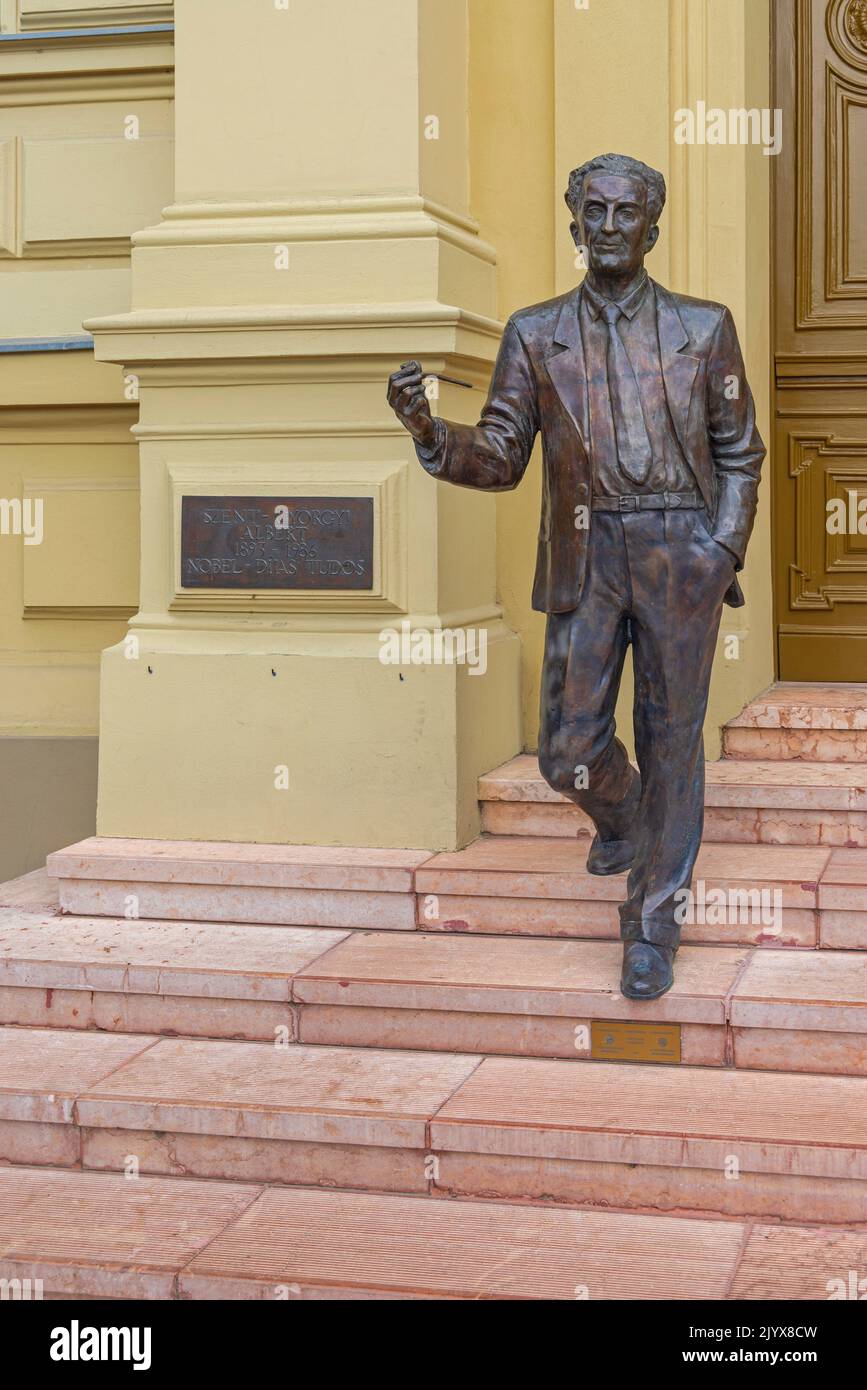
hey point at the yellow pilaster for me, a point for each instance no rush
(320, 234)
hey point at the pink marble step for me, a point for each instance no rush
(502, 994)
(842, 929)
(735, 1142)
(33, 892)
(168, 1238)
(539, 886)
(438, 991)
(97, 1235)
(806, 745)
(208, 979)
(674, 1138)
(745, 802)
(843, 901)
(814, 723)
(844, 882)
(787, 1262)
(292, 1114)
(526, 885)
(807, 705)
(41, 1074)
(801, 1011)
(790, 1010)
(210, 881)
(321, 1243)
(331, 1094)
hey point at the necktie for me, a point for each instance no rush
(634, 453)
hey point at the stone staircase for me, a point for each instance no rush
(794, 772)
(233, 1071)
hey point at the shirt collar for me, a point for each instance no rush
(628, 306)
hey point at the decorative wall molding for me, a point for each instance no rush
(829, 368)
(819, 465)
(378, 205)
(327, 219)
(822, 226)
(845, 98)
(119, 184)
(10, 175)
(65, 424)
(81, 613)
(276, 429)
(87, 65)
(847, 553)
(71, 88)
(113, 248)
(371, 368)
(846, 24)
(76, 573)
(144, 338)
(686, 206)
(68, 14)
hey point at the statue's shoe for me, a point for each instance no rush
(648, 970)
(610, 856)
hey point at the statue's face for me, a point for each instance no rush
(613, 224)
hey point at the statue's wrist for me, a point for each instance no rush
(428, 436)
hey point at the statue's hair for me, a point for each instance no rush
(624, 165)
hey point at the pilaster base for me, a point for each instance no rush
(294, 738)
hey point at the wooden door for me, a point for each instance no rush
(819, 256)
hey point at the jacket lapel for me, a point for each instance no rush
(567, 370)
(679, 368)
(566, 364)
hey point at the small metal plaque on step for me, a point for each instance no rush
(634, 1042)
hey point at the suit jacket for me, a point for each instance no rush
(539, 385)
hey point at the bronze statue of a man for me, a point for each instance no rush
(651, 470)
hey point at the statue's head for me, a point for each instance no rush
(616, 202)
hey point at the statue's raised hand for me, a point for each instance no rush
(407, 398)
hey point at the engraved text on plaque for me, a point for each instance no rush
(277, 543)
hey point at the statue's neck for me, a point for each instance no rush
(614, 287)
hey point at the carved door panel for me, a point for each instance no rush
(819, 252)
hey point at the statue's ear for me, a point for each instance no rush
(652, 237)
(576, 233)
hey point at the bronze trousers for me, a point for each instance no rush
(655, 581)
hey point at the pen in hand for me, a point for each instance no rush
(449, 380)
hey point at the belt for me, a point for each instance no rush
(649, 501)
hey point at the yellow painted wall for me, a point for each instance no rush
(61, 601)
(514, 187)
(73, 187)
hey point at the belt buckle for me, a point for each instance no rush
(629, 503)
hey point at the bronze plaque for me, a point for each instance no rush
(634, 1042)
(277, 543)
